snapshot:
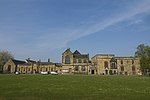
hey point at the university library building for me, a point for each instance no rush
(77, 63)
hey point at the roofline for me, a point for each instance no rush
(103, 55)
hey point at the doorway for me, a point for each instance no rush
(9, 69)
(106, 72)
(92, 71)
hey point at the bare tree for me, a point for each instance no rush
(4, 57)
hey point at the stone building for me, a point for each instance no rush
(107, 64)
(75, 62)
(30, 66)
(11, 66)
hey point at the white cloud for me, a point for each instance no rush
(135, 22)
(58, 38)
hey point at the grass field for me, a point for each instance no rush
(74, 87)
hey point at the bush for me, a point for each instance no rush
(110, 72)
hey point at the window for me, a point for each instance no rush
(67, 60)
(83, 68)
(133, 68)
(85, 61)
(106, 64)
(75, 61)
(9, 68)
(132, 61)
(122, 68)
(113, 65)
(121, 61)
(19, 69)
(76, 68)
(79, 61)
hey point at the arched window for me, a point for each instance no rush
(105, 64)
(9, 68)
(122, 68)
(67, 60)
(132, 61)
(133, 68)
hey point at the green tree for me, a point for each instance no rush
(143, 51)
(4, 57)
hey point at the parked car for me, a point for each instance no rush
(53, 73)
(44, 73)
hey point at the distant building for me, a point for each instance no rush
(77, 63)
(107, 64)
(30, 66)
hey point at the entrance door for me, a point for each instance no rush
(9, 69)
(106, 72)
(92, 71)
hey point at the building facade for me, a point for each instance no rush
(30, 67)
(77, 63)
(108, 64)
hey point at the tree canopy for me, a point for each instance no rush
(4, 57)
(143, 51)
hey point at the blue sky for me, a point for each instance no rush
(42, 29)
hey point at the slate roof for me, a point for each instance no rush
(18, 61)
(130, 57)
(110, 55)
(68, 50)
(45, 63)
(77, 54)
(105, 55)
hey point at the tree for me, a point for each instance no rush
(143, 52)
(4, 57)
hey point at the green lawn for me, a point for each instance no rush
(74, 87)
